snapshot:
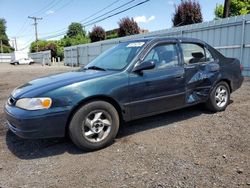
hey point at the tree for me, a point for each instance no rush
(127, 26)
(44, 45)
(187, 12)
(52, 46)
(41, 44)
(237, 7)
(75, 29)
(4, 38)
(75, 35)
(97, 34)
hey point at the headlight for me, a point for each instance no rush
(34, 103)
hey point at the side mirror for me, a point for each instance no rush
(145, 65)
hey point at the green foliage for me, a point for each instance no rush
(38, 46)
(44, 45)
(219, 11)
(127, 27)
(71, 41)
(75, 36)
(187, 12)
(97, 34)
(75, 29)
(3, 36)
(112, 36)
(237, 7)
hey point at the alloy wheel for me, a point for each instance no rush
(221, 96)
(97, 125)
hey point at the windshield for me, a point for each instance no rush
(117, 57)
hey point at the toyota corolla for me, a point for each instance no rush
(132, 80)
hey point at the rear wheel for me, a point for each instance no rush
(219, 97)
(94, 125)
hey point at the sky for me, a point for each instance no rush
(58, 14)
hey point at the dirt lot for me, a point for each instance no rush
(184, 148)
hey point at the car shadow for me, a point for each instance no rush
(160, 120)
(40, 148)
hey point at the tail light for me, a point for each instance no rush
(241, 67)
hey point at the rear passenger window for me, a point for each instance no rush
(193, 53)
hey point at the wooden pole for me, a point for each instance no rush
(226, 8)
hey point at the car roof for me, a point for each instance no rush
(180, 39)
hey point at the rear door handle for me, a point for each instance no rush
(179, 76)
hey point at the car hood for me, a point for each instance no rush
(45, 84)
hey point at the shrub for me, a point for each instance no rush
(187, 12)
(97, 34)
(127, 27)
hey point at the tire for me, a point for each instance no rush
(217, 100)
(94, 125)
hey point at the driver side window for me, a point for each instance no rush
(164, 56)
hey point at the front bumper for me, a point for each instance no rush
(36, 124)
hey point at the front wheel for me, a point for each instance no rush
(219, 97)
(94, 125)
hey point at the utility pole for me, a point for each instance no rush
(1, 44)
(226, 8)
(14, 43)
(35, 24)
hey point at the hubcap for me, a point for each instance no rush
(96, 126)
(221, 96)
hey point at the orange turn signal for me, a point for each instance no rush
(46, 103)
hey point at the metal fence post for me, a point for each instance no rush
(181, 33)
(77, 56)
(242, 39)
(87, 51)
(71, 54)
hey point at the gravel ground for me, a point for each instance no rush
(185, 148)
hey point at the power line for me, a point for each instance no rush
(27, 44)
(58, 8)
(92, 23)
(97, 21)
(46, 7)
(22, 27)
(96, 13)
(138, 4)
(107, 12)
